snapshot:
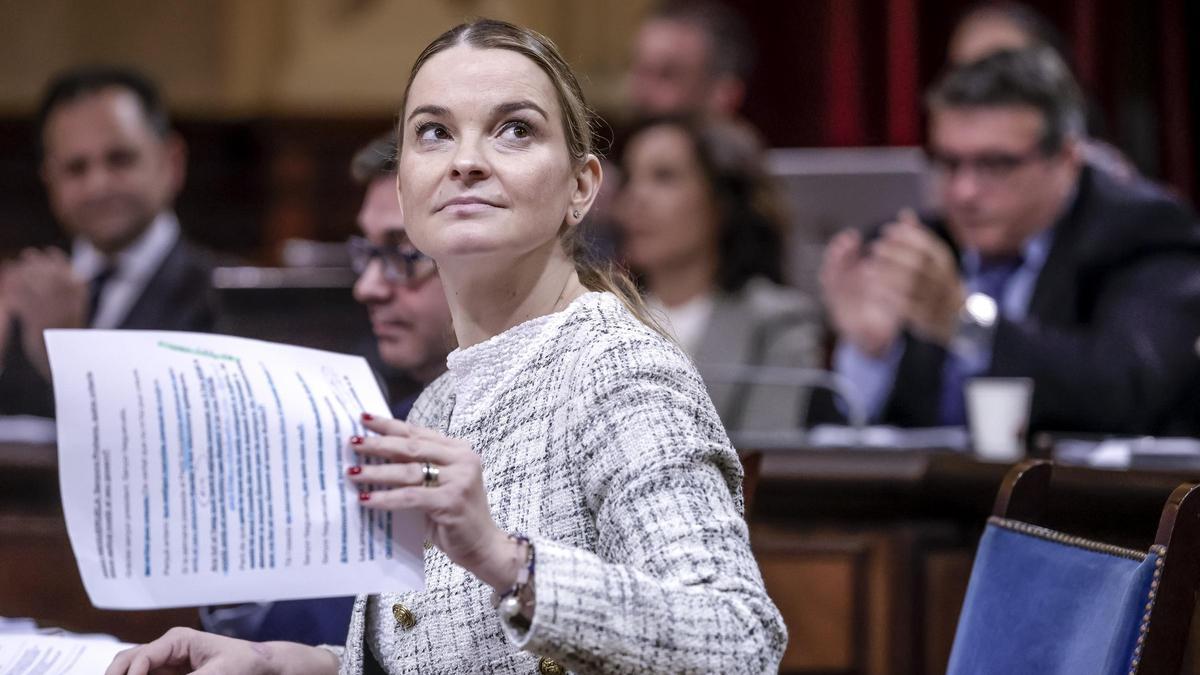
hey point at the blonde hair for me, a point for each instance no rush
(577, 121)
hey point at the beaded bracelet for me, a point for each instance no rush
(509, 603)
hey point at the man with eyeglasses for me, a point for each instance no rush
(398, 284)
(1037, 266)
(411, 321)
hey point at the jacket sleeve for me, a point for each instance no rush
(23, 390)
(1128, 369)
(672, 585)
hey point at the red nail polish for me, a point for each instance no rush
(356, 440)
(364, 496)
(354, 470)
(367, 417)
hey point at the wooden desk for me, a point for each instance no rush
(38, 575)
(867, 552)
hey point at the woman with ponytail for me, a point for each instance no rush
(585, 504)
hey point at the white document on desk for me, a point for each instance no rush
(55, 655)
(206, 469)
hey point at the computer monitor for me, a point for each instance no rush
(309, 307)
(830, 189)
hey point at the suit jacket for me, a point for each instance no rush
(763, 324)
(178, 297)
(1111, 334)
(597, 440)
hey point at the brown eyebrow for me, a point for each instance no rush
(514, 106)
(502, 109)
(435, 110)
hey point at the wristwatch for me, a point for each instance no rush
(976, 326)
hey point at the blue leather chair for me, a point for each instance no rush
(1044, 601)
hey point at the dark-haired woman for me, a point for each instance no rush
(700, 223)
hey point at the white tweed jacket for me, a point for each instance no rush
(599, 442)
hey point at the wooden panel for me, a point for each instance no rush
(818, 579)
(1191, 656)
(38, 575)
(889, 624)
(39, 579)
(812, 593)
(946, 575)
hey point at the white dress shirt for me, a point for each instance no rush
(135, 265)
(685, 322)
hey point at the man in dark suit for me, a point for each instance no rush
(112, 168)
(1038, 266)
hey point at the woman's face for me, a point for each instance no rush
(484, 170)
(665, 209)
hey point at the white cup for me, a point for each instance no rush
(998, 412)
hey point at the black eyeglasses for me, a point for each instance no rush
(988, 167)
(402, 264)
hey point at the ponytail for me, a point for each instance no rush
(608, 277)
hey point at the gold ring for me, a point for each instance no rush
(429, 475)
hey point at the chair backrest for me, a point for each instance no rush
(751, 470)
(1044, 601)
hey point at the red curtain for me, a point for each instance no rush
(852, 72)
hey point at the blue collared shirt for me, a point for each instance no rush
(874, 377)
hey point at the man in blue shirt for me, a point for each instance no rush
(403, 294)
(1037, 266)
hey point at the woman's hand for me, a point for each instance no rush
(183, 650)
(456, 503)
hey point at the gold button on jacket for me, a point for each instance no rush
(550, 667)
(404, 616)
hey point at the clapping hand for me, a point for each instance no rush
(863, 311)
(42, 291)
(906, 278)
(919, 273)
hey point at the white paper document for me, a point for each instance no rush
(54, 655)
(205, 469)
